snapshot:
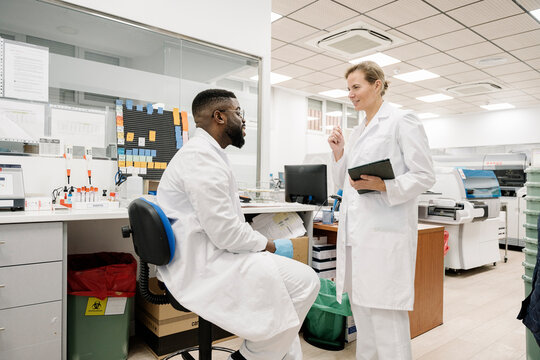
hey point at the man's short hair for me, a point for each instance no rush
(210, 98)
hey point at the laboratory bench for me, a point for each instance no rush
(429, 275)
(33, 269)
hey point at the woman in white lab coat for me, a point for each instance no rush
(220, 270)
(377, 234)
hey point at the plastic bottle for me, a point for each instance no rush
(134, 185)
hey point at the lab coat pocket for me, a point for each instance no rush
(379, 147)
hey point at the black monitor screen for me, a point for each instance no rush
(306, 184)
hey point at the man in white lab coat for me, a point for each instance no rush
(220, 268)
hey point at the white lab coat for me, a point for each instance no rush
(382, 227)
(219, 270)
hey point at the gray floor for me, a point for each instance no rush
(480, 308)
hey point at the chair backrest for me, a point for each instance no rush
(151, 230)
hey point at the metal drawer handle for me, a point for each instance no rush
(1, 328)
(2, 242)
(2, 286)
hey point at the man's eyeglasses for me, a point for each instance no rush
(240, 112)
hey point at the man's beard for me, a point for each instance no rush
(236, 136)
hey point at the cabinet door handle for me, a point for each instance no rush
(2, 286)
(1, 328)
(2, 242)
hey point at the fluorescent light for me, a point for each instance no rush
(536, 14)
(417, 75)
(335, 93)
(274, 78)
(500, 106)
(274, 16)
(427, 115)
(395, 105)
(380, 58)
(334, 113)
(434, 98)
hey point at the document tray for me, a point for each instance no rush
(381, 168)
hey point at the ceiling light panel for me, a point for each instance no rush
(508, 26)
(402, 12)
(415, 76)
(275, 16)
(381, 59)
(432, 26)
(434, 98)
(536, 14)
(484, 11)
(323, 13)
(335, 93)
(474, 51)
(291, 53)
(454, 40)
(500, 106)
(286, 7)
(289, 30)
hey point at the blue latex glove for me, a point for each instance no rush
(284, 247)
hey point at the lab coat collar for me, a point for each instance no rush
(200, 132)
(383, 113)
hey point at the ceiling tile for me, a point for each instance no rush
(277, 43)
(294, 70)
(317, 77)
(276, 64)
(433, 60)
(394, 97)
(526, 75)
(289, 30)
(405, 89)
(532, 90)
(519, 41)
(315, 89)
(401, 35)
(514, 99)
(468, 76)
(304, 42)
(410, 51)
(535, 63)
(399, 68)
(508, 26)
(336, 84)
(338, 70)
(523, 104)
(445, 5)
(484, 11)
(474, 51)
(432, 26)
(450, 69)
(530, 4)
(402, 12)
(531, 52)
(291, 53)
(507, 69)
(319, 62)
(294, 84)
(438, 83)
(503, 94)
(421, 92)
(526, 84)
(322, 14)
(285, 7)
(454, 40)
(364, 5)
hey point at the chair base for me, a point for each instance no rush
(185, 353)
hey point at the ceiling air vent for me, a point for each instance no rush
(355, 40)
(474, 88)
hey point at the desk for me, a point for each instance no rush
(429, 276)
(33, 267)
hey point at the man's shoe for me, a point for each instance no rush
(236, 356)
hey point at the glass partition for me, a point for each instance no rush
(95, 60)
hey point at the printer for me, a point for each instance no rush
(467, 203)
(11, 187)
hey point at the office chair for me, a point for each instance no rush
(153, 240)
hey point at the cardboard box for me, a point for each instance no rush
(158, 312)
(300, 249)
(184, 322)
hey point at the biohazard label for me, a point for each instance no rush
(95, 306)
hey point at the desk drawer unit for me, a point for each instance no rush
(30, 243)
(30, 284)
(31, 332)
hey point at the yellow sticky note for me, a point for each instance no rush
(130, 136)
(95, 306)
(129, 163)
(152, 135)
(143, 164)
(184, 121)
(164, 165)
(121, 164)
(150, 165)
(176, 116)
(120, 135)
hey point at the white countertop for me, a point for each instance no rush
(424, 226)
(17, 217)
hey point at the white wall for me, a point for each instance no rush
(520, 126)
(242, 25)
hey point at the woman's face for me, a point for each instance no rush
(361, 93)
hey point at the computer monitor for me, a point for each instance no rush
(306, 184)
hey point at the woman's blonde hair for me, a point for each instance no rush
(372, 72)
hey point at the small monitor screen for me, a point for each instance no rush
(306, 184)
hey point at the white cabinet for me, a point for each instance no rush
(31, 291)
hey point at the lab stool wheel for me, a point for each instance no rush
(185, 353)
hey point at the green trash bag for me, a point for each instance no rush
(324, 326)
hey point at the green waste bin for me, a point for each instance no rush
(324, 326)
(533, 350)
(101, 287)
